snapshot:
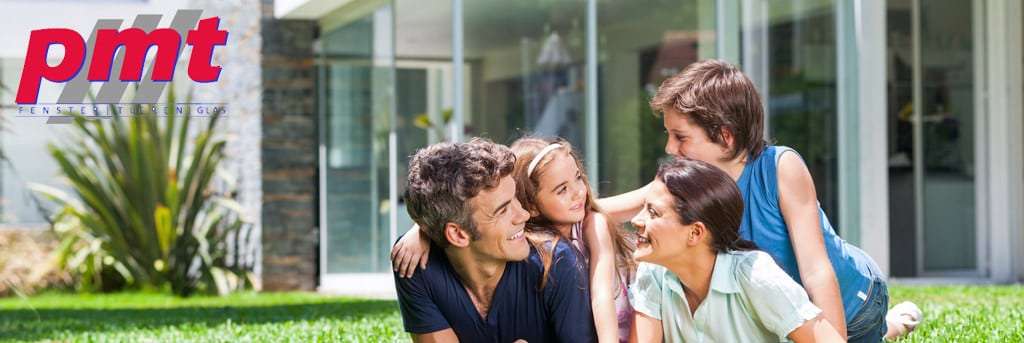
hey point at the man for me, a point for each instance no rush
(482, 281)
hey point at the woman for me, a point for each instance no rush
(699, 281)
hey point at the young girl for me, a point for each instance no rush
(712, 113)
(698, 280)
(551, 185)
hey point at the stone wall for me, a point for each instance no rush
(269, 88)
(289, 155)
(239, 88)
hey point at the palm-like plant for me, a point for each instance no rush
(146, 213)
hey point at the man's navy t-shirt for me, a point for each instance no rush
(435, 299)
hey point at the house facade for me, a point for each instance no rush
(907, 112)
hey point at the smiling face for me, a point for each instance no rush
(661, 236)
(691, 141)
(562, 193)
(500, 221)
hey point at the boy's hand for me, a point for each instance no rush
(412, 249)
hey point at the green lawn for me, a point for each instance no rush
(965, 313)
(953, 314)
(267, 317)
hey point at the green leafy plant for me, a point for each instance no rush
(146, 214)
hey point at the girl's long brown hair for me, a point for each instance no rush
(527, 186)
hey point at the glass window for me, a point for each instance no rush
(423, 84)
(789, 51)
(640, 44)
(526, 65)
(900, 88)
(932, 168)
(947, 135)
(355, 89)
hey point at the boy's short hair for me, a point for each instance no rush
(444, 176)
(714, 95)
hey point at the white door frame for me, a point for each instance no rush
(1005, 184)
(863, 118)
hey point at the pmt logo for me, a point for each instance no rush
(115, 58)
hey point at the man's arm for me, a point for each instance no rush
(446, 335)
(622, 207)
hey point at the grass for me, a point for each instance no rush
(135, 317)
(953, 314)
(965, 313)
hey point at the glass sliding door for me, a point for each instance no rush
(634, 58)
(423, 94)
(945, 135)
(934, 63)
(527, 69)
(355, 98)
(423, 86)
(789, 51)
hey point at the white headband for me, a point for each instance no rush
(539, 156)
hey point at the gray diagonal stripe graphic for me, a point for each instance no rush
(59, 120)
(149, 91)
(75, 90)
(114, 88)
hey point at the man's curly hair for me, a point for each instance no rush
(444, 176)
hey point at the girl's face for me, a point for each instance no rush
(690, 141)
(562, 193)
(661, 236)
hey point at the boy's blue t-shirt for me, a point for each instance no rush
(435, 299)
(764, 225)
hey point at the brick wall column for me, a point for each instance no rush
(289, 156)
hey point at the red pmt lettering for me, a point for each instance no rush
(136, 44)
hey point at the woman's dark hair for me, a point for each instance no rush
(703, 193)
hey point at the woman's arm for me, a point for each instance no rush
(622, 207)
(603, 280)
(411, 250)
(647, 329)
(816, 330)
(799, 204)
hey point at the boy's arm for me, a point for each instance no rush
(603, 281)
(622, 207)
(799, 205)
